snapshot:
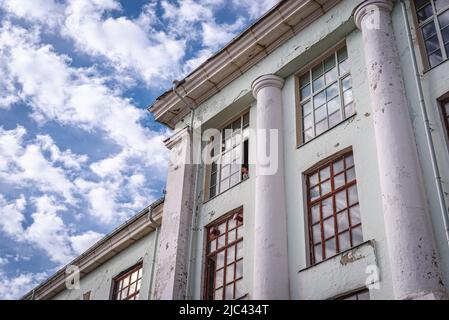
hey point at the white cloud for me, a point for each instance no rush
(23, 165)
(215, 36)
(11, 216)
(49, 11)
(14, 287)
(3, 261)
(255, 8)
(82, 242)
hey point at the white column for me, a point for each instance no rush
(171, 261)
(413, 256)
(270, 278)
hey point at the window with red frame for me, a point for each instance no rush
(127, 285)
(333, 208)
(445, 109)
(224, 258)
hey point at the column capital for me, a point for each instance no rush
(370, 6)
(266, 80)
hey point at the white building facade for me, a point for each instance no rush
(326, 134)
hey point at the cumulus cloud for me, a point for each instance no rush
(12, 287)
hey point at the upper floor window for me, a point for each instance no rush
(326, 95)
(433, 20)
(333, 208)
(224, 258)
(229, 157)
(127, 285)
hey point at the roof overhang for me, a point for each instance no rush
(278, 25)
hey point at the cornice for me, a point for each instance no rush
(273, 29)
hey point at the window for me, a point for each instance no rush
(224, 258)
(333, 208)
(445, 112)
(127, 284)
(229, 156)
(326, 95)
(433, 20)
(86, 295)
(359, 295)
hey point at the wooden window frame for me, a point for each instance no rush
(210, 270)
(421, 41)
(331, 196)
(300, 101)
(127, 274)
(217, 158)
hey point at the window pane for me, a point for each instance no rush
(429, 30)
(342, 221)
(342, 54)
(432, 44)
(319, 100)
(220, 260)
(352, 194)
(332, 91)
(239, 269)
(239, 291)
(350, 174)
(445, 34)
(325, 187)
(313, 179)
(347, 97)
(317, 72)
(340, 200)
(306, 108)
(338, 166)
(331, 248)
(334, 119)
(328, 227)
(424, 13)
(320, 114)
(308, 122)
(355, 215)
(344, 241)
(314, 193)
(318, 254)
(326, 207)
(333, 105)
(349, 110)
(315, 213)
(357, 237)
(229, 295)
(230, 254)
(325, 173)
(441, 4)
(339, 180)
(321, 127)
(218, 294)
(435, 58)
(346, 83)
(316, 230)
(230, 273)
(349, 160)
(305, 92)
(443, 19)
(318, 83)
(239, 248)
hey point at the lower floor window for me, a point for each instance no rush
(224, 258)
(333, 208)
(127, 284)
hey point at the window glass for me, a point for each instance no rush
(333, 206)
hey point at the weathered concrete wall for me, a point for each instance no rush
(99, 281)
(356, 132)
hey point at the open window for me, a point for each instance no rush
(229, 155)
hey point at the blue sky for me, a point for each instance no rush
(79, 153)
